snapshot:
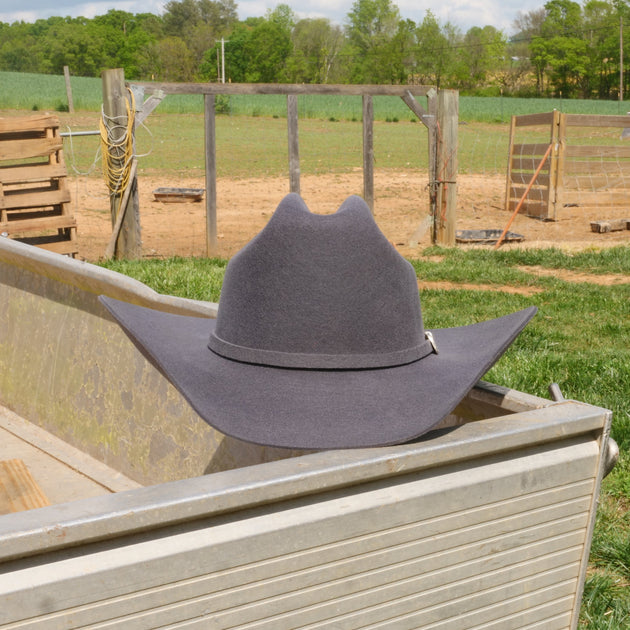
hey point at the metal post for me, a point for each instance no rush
(211, 175)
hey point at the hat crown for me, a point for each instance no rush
(320, 291)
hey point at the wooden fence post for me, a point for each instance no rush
(294, 143)
(556, 165)
(66, 76)
(448, 115)
(368, 151)
(211, 174)
(119, 158)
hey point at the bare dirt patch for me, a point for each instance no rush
(578, 276)
(244, 207)
(454, 286)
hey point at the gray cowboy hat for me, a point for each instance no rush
(319, 341)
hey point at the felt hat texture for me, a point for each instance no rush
(319, 340)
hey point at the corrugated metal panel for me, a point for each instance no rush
(493, 543)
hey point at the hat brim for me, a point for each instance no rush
(317, 409)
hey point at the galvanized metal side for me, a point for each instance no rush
(496, 539)
(66, 366)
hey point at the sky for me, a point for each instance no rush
(462, 13)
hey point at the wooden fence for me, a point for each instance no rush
(571, 168)
(440, 117)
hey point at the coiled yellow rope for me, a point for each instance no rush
(117, 149)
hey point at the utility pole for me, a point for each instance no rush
(222, 60)
(221, 68)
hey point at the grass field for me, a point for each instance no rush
(257, 147)
(579, 339)
(47, 92)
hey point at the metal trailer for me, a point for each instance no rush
(486, 522)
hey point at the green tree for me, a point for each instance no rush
(436, 52)
(199, 23)
(526, 26)
(170, 59)
(18, 49)
(561, 51)
(484, 53)
(317, 45)
(267, 50)
(371, 28)
(180, 16)
(282, 15)
(403, 55)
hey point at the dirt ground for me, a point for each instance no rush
(401, 211)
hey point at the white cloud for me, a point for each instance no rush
(462, 13)
(32, 10)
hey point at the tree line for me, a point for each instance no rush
(563, 48)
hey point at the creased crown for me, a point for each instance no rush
(320, 292)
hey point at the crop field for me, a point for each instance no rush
(25, 91)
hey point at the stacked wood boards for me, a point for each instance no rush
(34, 196)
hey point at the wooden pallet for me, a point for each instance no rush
(34, 195)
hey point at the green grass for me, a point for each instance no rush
(173, 145)
(25, 91)
(578, 339)
(195, 278)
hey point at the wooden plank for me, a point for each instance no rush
(602, 199)
(528, 164)
(35, 198)
(56, 243)
(286, 88)
(36, 122)
(27, 173)
(428, 120)
(29, 148)
(556, 158)
(525, 178)
(16, 226)
(597, 182)
(557, 182)
(594, 167)
(530, 150)
(531, 120)
(534, 194)
(18, 490)
(610, 225)
(594, 120)
(532, 209)
(509, 175)
(598, 151)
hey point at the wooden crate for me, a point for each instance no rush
(34, 195)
